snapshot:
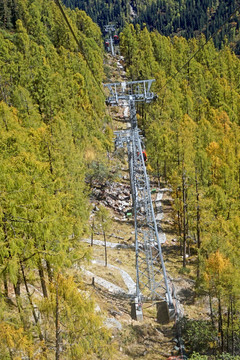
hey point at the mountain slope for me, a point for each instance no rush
(193, 142)
(53, 128)
(187, 18)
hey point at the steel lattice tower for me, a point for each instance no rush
(110, 29)
(152, 282)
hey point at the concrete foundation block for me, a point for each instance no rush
(136, 310)
(163, 316)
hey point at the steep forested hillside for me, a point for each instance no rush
(53, 133)
(183, 17)
(52, 128)
(102, 12)
(193, 141)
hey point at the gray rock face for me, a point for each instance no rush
(114, 195)
(112, 323)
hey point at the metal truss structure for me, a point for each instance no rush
(110, 29)
(152, 282)
(131, 90)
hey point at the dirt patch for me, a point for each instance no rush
(111, 275)
(146, 341)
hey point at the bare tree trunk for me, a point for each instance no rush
(4, 220)
(198, 226)
(158, 173)
(188, 246)
(228, 324)
(92, 232)
(165, 171)
(42, 278)
(49, 270)
(105, 246)
(18, 284)
(232, 325)
(33, 310)
(30, 301)
(19, 306)
(179, 226)
(220, 323)
(57, 357)
(211, 310)
(184, 217)
(50, 160)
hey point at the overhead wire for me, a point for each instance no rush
(200, 48)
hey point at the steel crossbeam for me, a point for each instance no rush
(109, 28)
(138, 90)
(152, 281)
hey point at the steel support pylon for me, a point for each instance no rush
(110, 29)
(151, 277)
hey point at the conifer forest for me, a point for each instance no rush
(58, 162)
